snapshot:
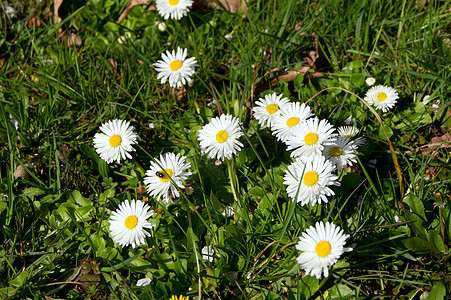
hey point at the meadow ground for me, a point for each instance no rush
(225, 225)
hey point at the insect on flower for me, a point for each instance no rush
(161, 174)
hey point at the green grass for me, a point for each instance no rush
(54, 232)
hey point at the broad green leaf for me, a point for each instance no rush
(19, 280)
(298, 82)
(108, 253)
(257, 191)
(417, 225)
(438, 291)
(308, 285)
(356, 64)
(32, 192)
(415, 204)
(382, 134)
(79, 199)
(417, 245)
(358, 79)
(339, 292)
(436, 241)
(122, 264)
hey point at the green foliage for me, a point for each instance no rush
(57, 195)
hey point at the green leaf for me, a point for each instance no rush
(104, 169)
(358, 79)
(257, 191)
(339, 292)
(415, 204)
(436, 241)
(32, 192)
(356, 64)
(108, 253)
(298, 82)
(79, 199)
(382, 134)
(122, 264)
(19, 280)
(417, 245)
(308, 285)
(438, 291)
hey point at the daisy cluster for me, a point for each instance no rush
(319, 151)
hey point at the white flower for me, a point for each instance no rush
(351, 132)
(370, 81)
(143, 281)
(341, 152)
(290, 118)
(207, 253)
(228, 212)
(160, 25)
(349, 120)
(175, 67)
(115, 141)
(308, 178)
(381, 97)
(128, 222)
(321, 248)
(219, 138)
(158, 179)
(310, 137)
(268, 108)
(174, 9)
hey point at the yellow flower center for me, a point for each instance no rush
(272, 108)
(311, 178)
(222, 136)
(292, 121)
(175, 65)
(322, 248)
(164, 177)
(381, 96)
(173, 2)
(115, 140)
(311, 138)
(131, 222)
(335, 151)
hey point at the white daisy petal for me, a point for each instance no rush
(174, 9)
(290, 118)
(115, 141)
(341, 152)
(310, 137)
(308, 178)
(175, 68)
(158, 179)
(143, 281)
(321, 248)
(381, 97)
(128, 222)
(207, 253)
(219, 138)
(268, 108)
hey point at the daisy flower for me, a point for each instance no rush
(341, 152)
(219, 138)
(115, 141)
(381, 97)
(179, 298)
(310, 137)
(370, 81)
(158, 179)
(321, 247)
(290, 118)
(351, 132)
(269, 107)
(308, 178)
(176, 68)
(174, 9)
(128, 222)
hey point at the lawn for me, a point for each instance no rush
(276, 149)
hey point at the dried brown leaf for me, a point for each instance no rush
(132, 4)
(56, 7)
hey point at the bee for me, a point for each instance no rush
(161, 174)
